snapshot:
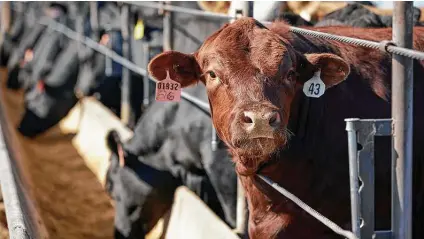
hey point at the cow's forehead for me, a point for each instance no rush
(245, 42)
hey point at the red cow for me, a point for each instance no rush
(254, 77)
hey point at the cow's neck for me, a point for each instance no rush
(273, 214)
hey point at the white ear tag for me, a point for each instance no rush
(314, 87)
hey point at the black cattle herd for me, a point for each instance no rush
(171, 145)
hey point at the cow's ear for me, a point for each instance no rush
(182, 68)
(333, 68)
(115, 146)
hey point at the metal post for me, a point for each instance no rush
(146, 83)
(247, 9)
(167, 29)
(126, 110)
(94, 21)
(354, 175)
(79, 27)
(402, 97)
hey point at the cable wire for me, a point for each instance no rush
(327, 222)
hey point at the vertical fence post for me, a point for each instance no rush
(402, 97)
(354, 175)
(127, 115)
(247, 9)
(94, 21)
(146, 83)
(79, 26)
(167, 29)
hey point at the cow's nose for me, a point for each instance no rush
(254, 120)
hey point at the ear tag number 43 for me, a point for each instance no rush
(314, 87)
(168, 90)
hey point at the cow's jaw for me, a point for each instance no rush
(252, 153)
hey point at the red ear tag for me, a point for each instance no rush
(40, 85)
(168, 90)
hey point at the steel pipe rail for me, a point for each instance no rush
(17, 222)
(179, 9)
(127, 113)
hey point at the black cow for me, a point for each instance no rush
(45, 52)
(171, 147)
(29, 34)
(356, 15)
(57, 72)
(51, 98)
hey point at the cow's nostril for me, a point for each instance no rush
(274, 119)
(246, 119)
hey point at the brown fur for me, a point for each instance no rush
(259, 68)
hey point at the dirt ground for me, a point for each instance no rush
(71, 201)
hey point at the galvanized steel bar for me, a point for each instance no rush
(366, 171)
(146, 83)
(127, 114)
(15, 214)
(167, 29)
(247, 8)
(185, 10)
(362, 167)
(94, 21)
(79, 27)
(402, 103)
(354, 175)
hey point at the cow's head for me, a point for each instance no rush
(252, 75)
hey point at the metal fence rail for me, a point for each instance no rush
(403, 51)
(22, 219)
(384, 45)
(15, 215)
(179, 9)
(113, 55)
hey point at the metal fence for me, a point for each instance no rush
(359, 130)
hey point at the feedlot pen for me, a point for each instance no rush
(71, 201)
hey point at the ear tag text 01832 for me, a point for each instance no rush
(314, 87)
(168, 90)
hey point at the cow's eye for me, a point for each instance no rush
(212, 74)
(291, 75)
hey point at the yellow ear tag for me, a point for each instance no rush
(139, 30)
